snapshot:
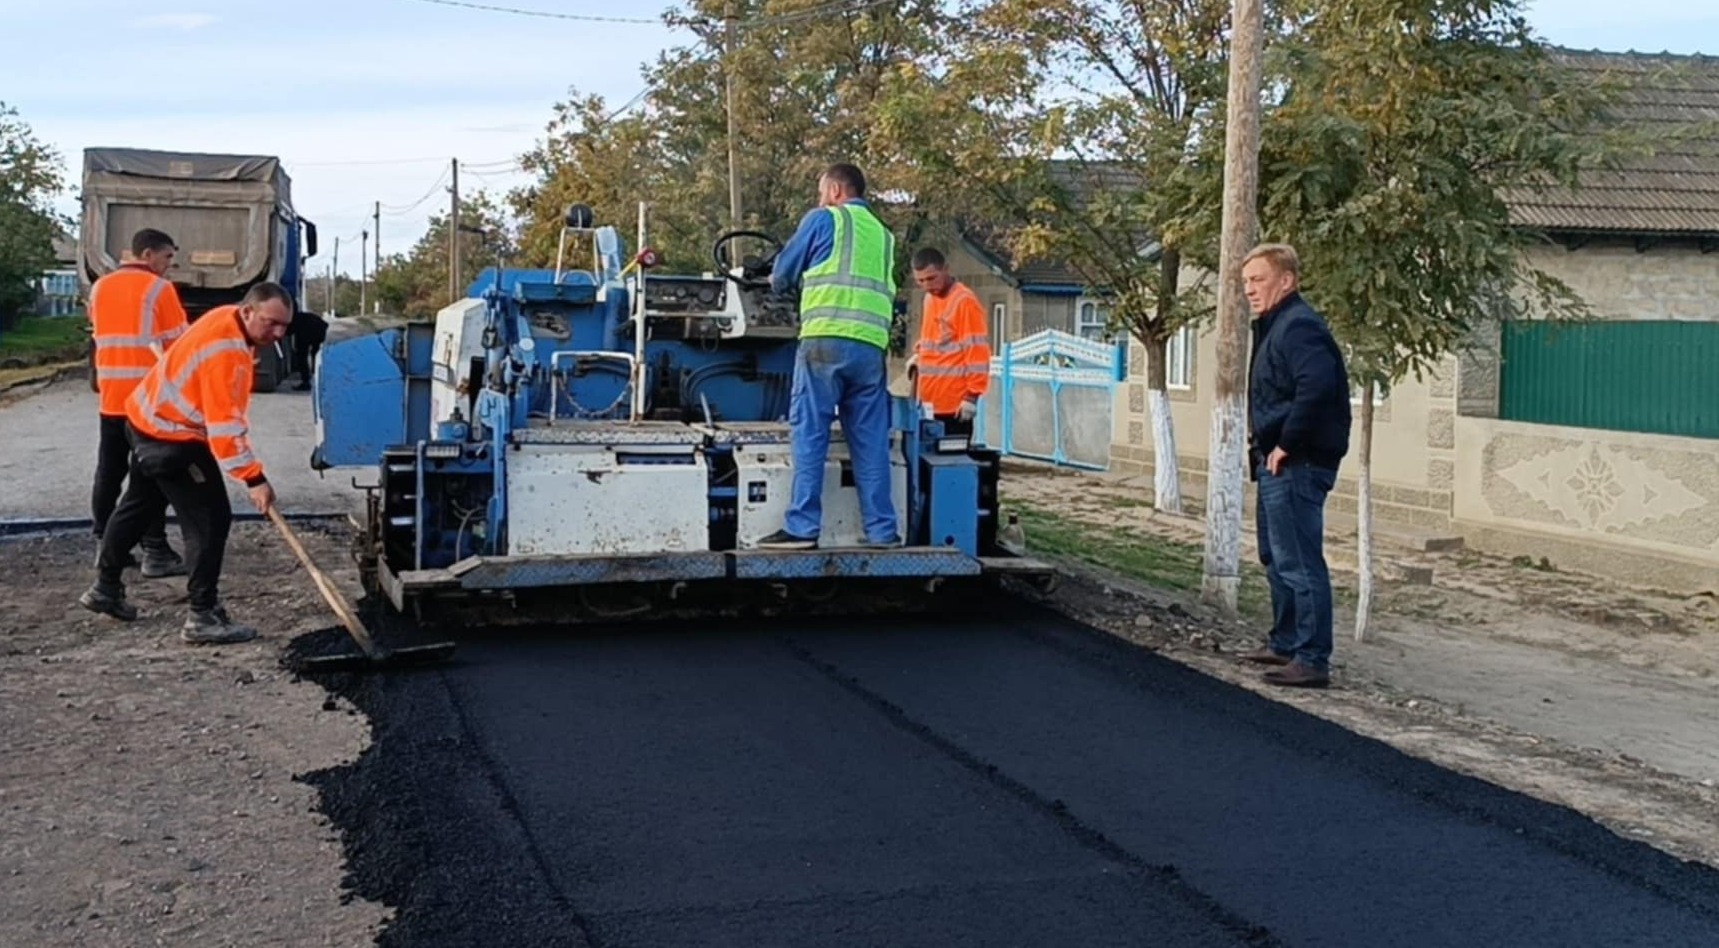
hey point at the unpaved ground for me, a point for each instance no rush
(147, 788)
(1565, 687)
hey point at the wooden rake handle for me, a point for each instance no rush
(336, 601)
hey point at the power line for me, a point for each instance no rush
(635, 100)
(542, 13)
(395, 211)
(836, 7)
(376, 161)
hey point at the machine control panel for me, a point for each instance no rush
(685, 294)
(769, 314)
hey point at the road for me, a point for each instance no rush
(1009, 779)
(50, 440)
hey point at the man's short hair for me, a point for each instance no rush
(268, 292)
(1281, 256)
(149, 239)
(927, 257)
(851, 179)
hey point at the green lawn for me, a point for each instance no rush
(1156, 561)
(37, 339)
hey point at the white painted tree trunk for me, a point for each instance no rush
(1166, 463)
(1167, 477)
(1222, 579)
(1364, 538)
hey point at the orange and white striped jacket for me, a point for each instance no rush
(954, 355)
(201, 391)
(135, 316)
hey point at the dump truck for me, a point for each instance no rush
(231, 215)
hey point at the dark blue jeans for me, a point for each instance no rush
(1291, 518)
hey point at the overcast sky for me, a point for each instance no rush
(366, 100)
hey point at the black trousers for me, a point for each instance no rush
(304, 353)
(113, 462)
(186, 475)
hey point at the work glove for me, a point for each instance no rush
(968, 409)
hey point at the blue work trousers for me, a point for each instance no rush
(1291, 521)
(832, 373)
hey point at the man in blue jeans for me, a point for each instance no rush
(843, 259)
(1298, 417)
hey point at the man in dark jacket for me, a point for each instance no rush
(1298, 419)
(306, 336)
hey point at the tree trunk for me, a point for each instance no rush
(1221, 575)
(1166, 462)
(1364, 538)
(1166, 479)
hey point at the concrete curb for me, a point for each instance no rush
(29, 527)
(50, 376)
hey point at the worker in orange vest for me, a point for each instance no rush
(951, 363)
(188, 425)
(135, 316)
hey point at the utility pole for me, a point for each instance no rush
(334, 279)
(1222, 579)
(728, 21)
(376, 228)
(454, 237)
(363, 272)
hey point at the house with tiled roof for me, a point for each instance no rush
(1594, 445)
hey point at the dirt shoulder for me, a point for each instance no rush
(1562, 687)
(148, 788)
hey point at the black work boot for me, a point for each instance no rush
(162, 563)
(214, 627)
(108, 604)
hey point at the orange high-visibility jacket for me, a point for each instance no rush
(201, 391)
(954, 355)
(134, 314)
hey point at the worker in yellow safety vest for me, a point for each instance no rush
(843, 259)
(135, 316)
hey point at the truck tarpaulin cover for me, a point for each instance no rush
(181, 167)
(219, 209)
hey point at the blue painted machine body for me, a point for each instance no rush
(520, 437)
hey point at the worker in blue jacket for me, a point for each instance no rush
(843, 259)
(1298, 419)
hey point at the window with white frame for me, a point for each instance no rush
(1092, 320)
(999, 325)
(1179, 358)
(1356, 390)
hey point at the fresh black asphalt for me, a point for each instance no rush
(1008, 779)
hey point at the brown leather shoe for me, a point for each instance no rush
(1297, 675)
(1265, 656)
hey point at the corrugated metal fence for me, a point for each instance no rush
(1051, 398)
(1655, 377)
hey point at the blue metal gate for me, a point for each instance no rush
(1052, 398)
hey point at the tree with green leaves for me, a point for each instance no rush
(1403, 126)
(415, 284)
(30, 178)
(1068, 126)
(806, 77)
